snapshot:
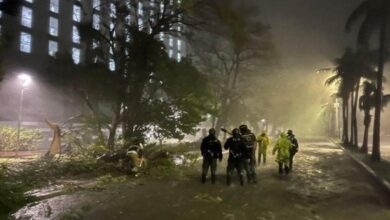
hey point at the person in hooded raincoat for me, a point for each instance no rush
(282, 149)
(263, 141)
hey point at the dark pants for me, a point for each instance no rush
(209, 163)
(292, 154)
(283, 168)
(249, 165)
(234, 164)
(261, 154)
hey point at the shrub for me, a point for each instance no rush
(29, 139)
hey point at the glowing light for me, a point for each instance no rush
(25, 79)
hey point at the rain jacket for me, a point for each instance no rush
(282, 149)
(263, 141)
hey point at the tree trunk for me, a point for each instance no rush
(355, 127)
(367, 122)
(376, 154)
(345, 120)
(114, 125)
(351, 138)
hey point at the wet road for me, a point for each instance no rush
(325, 184)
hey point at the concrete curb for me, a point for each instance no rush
(382, 181)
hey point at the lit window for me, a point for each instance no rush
(170, 42)
(161, 7)
(170, 53)
(96, 4)
(76, 13)
(140, 10)
(179, 45)
(178, 57)
(111, 65)
(76, 55)
(161, 36)
(26, 17)
(113, 10)
(54, 5)
(53, 26)
(25, 42)
(140, 23)
(96, 21)
(53, 48)
(1, 12)
(75, 35)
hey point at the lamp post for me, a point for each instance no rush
(24, 80)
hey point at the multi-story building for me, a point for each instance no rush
(44, 28)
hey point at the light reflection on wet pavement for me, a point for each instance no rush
(325, 184)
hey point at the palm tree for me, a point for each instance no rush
(348, 71)
(375, 14)
(366, 104)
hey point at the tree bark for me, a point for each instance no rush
(367, 122)
(355, 127)
(345, 120)
(376, 154)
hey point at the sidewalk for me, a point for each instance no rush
(379, 171)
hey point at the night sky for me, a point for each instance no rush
(309, 34)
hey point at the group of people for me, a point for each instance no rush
(242, 146)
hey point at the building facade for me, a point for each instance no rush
(44, 28)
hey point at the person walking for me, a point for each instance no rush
(211, 150)
(249, 160)
(294, 147)
(236, 148)
(263, 142)
(282, 149)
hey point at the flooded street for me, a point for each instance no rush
(325, 184)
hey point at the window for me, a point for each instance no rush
(31, 1)
(178, 57)
(96, 21)
(179, 45)
(76, 55)
(140, 10)
(96, 4)
(53, 48)
(1, 12)
(162, 37)
(111, 65)
(26, 17)
(170, 42)
(75, 35)
(53, 26)
(76, 13)
(113, 10)
(170, 53)
(25, 42)
(54, 5)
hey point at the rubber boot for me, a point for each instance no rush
(228, 180)
(241, 180)
(213, 179)
(203, 178)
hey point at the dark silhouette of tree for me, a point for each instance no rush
(10, 7)
(366, 104)
(232, 42)
(374, 16)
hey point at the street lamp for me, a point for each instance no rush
(24, 80)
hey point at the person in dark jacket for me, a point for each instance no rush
(249, 161)
(211, 150)
(236, 147)
(294, 147)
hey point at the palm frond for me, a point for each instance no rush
(359, 12)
